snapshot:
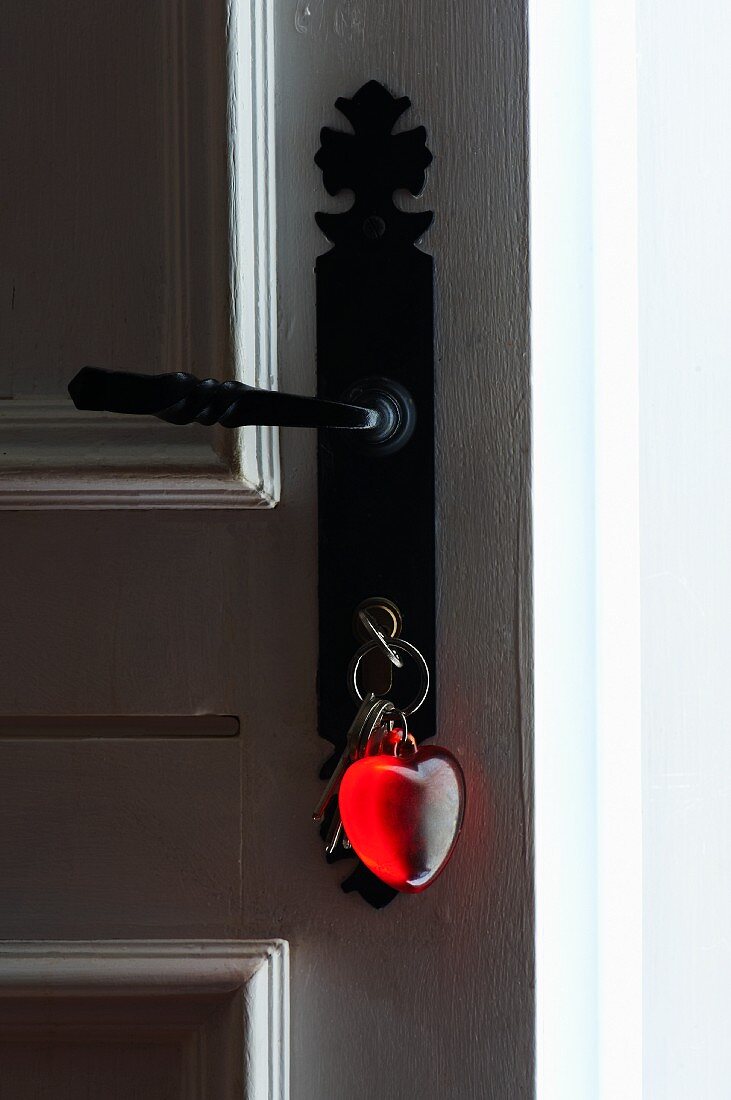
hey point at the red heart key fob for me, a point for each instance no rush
(402, 810)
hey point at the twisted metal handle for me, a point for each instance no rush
(182, 398)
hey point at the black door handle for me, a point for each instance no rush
(384, 412)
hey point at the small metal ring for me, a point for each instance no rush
(403, 647)
(409, 740)
(384, 643)
(404, 721)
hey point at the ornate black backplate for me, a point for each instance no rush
(375, 318)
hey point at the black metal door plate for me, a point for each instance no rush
(375, 319)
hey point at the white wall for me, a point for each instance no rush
(631, 282)
(563, 530)
(685, 401)
(585, 502)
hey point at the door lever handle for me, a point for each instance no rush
(384, 411)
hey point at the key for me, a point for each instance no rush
(368, 719)
(350, 751)
(335, 834)
(373, 720)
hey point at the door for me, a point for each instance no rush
(159, 754)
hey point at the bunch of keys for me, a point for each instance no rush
(375, 719)
(399, 807)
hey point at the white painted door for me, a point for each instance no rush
(158, 742)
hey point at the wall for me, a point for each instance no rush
(685, 349)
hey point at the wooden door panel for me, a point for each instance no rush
(135, 241)
(42, 1065)
(144, 1020)
(105, 837)
(124, 613)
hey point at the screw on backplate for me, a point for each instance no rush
(374, 227)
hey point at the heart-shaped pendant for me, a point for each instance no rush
(403, 814)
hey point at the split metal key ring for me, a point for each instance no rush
(384, 643)
(400, 646)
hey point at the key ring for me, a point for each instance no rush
(404, 647)
(384, 643)
(405, 735)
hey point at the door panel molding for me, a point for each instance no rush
(218, 293)
(108, 726)
(216, 1010)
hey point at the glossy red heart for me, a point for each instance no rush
(402, 814)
